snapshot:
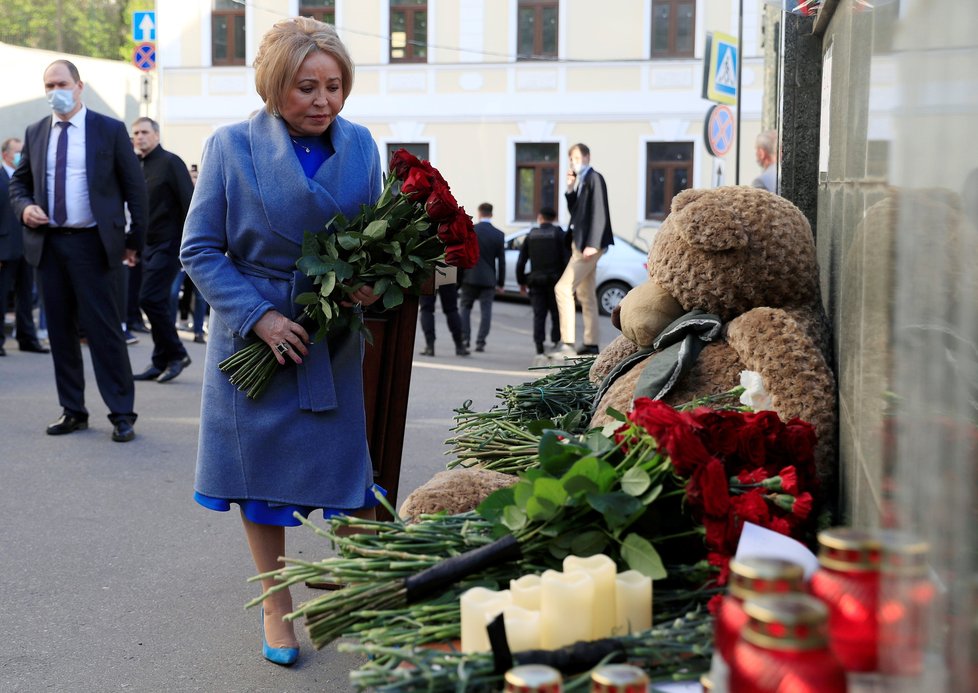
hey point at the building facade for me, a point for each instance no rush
(493, 92)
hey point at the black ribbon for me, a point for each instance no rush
(451, 570)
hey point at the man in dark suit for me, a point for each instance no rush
(15, 273)
(482, 282)
(169, 188)
(78, 170)
(545, 248)
(590, 236)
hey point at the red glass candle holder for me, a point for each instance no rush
(785, 648)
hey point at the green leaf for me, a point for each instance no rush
(538, 426)
(615, 414)
(393, 297)
(493, 506)
(522, 492)
(557, 454)
(329, 283)
(312, 265)
(540, 509)
(403, 279)
(348, 241)
(380, 286)
(376, 230)
(344, 270)
(310, 244)
(307, 299)
(514, 518)
(640, 555)
(589, 543)
(327, 308)
(635, 481)
(617, 508)
(550, 490)
(652, 495)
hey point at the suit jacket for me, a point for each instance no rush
(114, 180)
(11, 237)
(304, 442)
(490, 270)
(590, 224)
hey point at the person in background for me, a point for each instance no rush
(77, 173)
(170, 189)
(186, 298)
(766, 151)
(546, 249)
(485, 280)
(589, 235)
(15, 273)
(448, 294)
(289, 168)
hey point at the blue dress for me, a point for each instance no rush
(302, 445)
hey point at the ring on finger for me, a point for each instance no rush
(282, 348)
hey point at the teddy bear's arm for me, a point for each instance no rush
(770, 342)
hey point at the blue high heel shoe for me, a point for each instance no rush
(285, 656)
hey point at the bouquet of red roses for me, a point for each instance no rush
(393, 245)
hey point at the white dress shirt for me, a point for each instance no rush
(8, 169)
(76, 179)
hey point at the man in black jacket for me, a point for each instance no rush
(482, 282)
(73, 209)
(548, 254)
(170, 189)
(590, 235)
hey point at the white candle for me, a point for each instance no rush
(602, 570)
(566, 603)
(526, 592)
(522, 628)
(478, 606)
(633, 605)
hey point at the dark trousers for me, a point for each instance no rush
(134, 283)
(544, 303)
(79, 292)
(18, 275)
(161, 264)
(448, 293)
(484, 295)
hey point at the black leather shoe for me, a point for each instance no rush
(480, 347)
(151, 373)
(3, 352)
(35, 348)
(428, 350)
(588, 349)
(173, 369)
(122, 432)
(68, 423)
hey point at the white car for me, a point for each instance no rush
(622, 267)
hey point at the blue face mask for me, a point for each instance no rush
(16, 159)
(61, 100)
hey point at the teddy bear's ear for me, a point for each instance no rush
(707, 225)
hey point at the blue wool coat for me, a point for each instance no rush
(303, 441)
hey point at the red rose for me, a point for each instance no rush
(462, 255)
(719, 430)
(708, 488)
(417, 185)
(752, 444)
(798, 439)
(402, 161)
(457, 230)
(441, 205)
(672, 431)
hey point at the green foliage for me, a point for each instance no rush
(94, 28)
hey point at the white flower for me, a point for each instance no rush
(755, 396)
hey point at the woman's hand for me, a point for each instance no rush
(285, 337)
(364, 296)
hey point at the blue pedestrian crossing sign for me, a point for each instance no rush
(143, 26)
(721, 65)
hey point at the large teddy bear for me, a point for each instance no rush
(746, 256)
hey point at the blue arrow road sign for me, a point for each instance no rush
(143, 26)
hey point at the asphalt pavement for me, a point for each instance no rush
(114, 579)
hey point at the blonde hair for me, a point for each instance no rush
(285, 46)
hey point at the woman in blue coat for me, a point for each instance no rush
(262, 184)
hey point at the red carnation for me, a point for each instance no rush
(721, 561)
(752, 476)
(719, 534)
(708, 486)
(417, 185)
(713, 606)
(402, 161)
(750, 507)
(789, 480)
(457, 230)
(802, 507)
(780, 525)
(441, 205)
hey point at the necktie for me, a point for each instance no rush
(60, 173)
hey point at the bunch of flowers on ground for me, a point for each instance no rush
(393, 245)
